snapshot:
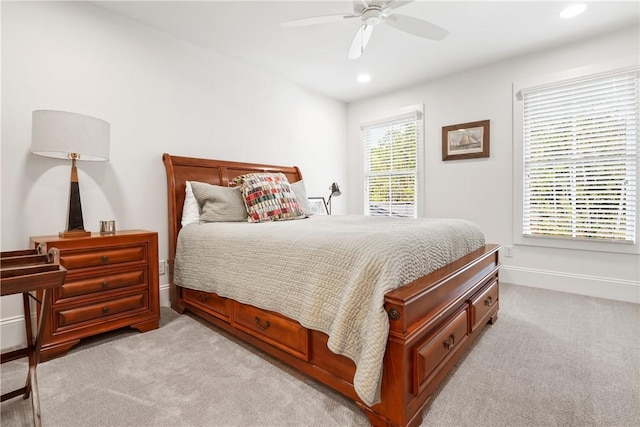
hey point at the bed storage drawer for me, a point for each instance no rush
(212, 303)
(483, 303)
(428, 356)
(270, 327)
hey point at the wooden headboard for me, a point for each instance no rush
(217, 172)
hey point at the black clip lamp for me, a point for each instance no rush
(335, 192)
(64, 135)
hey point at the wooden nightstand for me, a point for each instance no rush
(112, 282)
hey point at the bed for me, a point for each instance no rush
(431, 320)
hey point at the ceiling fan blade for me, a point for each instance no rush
(317, 20)
(417, 27)
(363, 3)
(360, 41)
(394, 4)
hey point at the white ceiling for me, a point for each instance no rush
(315, 57)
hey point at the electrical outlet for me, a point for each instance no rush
(508, 251)
(161, 267)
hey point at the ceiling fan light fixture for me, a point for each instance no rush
(573, 10)
(372, 16)
(363, 78)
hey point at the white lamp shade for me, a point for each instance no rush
(59, 133)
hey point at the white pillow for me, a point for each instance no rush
(300, 191)
(190, 209)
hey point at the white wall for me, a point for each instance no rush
(481, 190)
(160, 95)
(164, 95)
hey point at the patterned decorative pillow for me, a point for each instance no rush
(268, 197)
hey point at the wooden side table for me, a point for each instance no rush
(25, 272)
(112, 283)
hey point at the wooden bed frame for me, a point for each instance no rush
(433, 320)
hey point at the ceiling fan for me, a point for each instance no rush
(372, 13)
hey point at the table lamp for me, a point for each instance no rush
(335, 192)
(64, 135)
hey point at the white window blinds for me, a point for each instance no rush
(391, 149)
(581, 159)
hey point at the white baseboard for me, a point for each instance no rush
(164, 296)
(12, 334)
(601, 287)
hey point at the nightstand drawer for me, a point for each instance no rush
(71, 316)
(270, 327)
(84, 286)
(106, 256)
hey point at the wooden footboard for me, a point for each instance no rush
(433, 320)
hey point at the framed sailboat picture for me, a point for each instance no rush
(465, 141)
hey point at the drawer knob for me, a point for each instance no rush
(105, 258)
(488, 301)
(105, 309)
(105, 284)
(203, 297)
(262, 327)
(450, 342)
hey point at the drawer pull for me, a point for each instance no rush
(450, 342)
(105, 284)
(262, 327)
(105, 309)
(104, 258)
(488, 301)
(203, 297)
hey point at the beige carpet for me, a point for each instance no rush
(553, 359)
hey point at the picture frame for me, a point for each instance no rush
(318, 206)
(465, 141)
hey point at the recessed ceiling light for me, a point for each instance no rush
(573, 10)
(364, 78)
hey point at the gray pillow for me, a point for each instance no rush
(219, 204)
(301, 196)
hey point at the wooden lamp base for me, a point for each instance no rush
(74, 233)
(75, 223)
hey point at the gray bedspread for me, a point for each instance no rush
(330, 273)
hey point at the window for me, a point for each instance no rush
(391, 158)
(580, 159)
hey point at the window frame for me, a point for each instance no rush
(418, 111)
(566, 77)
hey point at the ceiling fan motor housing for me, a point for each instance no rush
(372, 15)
